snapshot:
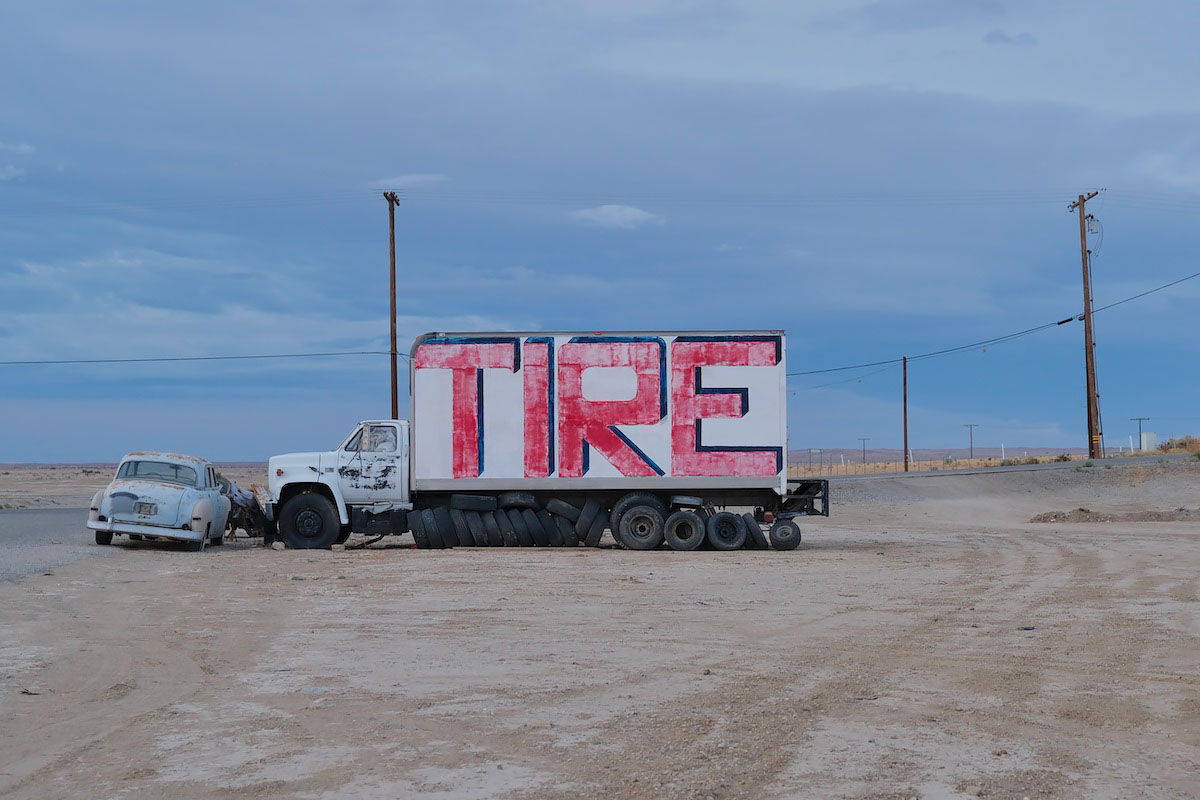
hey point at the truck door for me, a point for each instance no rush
(369, 467)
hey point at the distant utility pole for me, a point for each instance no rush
(1089, 344)
(904, 361)
(393, 201)
(864, 440)
(971, 426)
(1139, 421)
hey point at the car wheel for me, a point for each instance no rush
(309, 522)
(104, 537)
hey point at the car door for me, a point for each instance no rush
(369, 467)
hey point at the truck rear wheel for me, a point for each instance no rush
(726, 531)
(309, 522)
(785, 534)
(755, 539)
(104, 537)
(635, 499)
(641, 528)
(685, 530)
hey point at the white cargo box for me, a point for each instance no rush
(662, 410)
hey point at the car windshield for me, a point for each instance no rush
(158, 471)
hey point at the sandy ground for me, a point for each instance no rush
(926, 641)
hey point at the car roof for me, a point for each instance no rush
(177, 458)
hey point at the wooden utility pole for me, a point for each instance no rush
(971, 426)
(1089, 344)
(1139, 421)
(393, 201)
(864, 440)
(904, 362)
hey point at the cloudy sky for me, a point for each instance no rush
(877, 178)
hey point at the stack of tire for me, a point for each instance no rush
(644, 522)
(639, 521)
(513, 519)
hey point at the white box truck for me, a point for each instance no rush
(551, 439)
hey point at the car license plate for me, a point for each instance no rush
(146, 509)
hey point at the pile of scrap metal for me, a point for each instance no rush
(245, 511)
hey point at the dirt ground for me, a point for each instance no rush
(926, 641)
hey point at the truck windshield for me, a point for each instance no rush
(158, 471)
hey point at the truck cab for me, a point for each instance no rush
(318, 499)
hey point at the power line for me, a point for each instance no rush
(994, 340)
(884, 363)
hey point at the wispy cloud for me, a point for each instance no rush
(617, 216)
(409, 180)
(1000, 38)
(8, 172)
(20, 149)
(1182, 172)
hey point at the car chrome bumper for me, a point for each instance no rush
(145, 530)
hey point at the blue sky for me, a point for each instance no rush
(877, 178)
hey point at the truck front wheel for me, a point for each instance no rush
(309, 522)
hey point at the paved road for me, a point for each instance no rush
(37, 540)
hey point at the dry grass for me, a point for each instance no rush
(880, 467)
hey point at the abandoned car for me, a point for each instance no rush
(162, 495)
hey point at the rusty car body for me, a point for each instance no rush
(164, 495)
